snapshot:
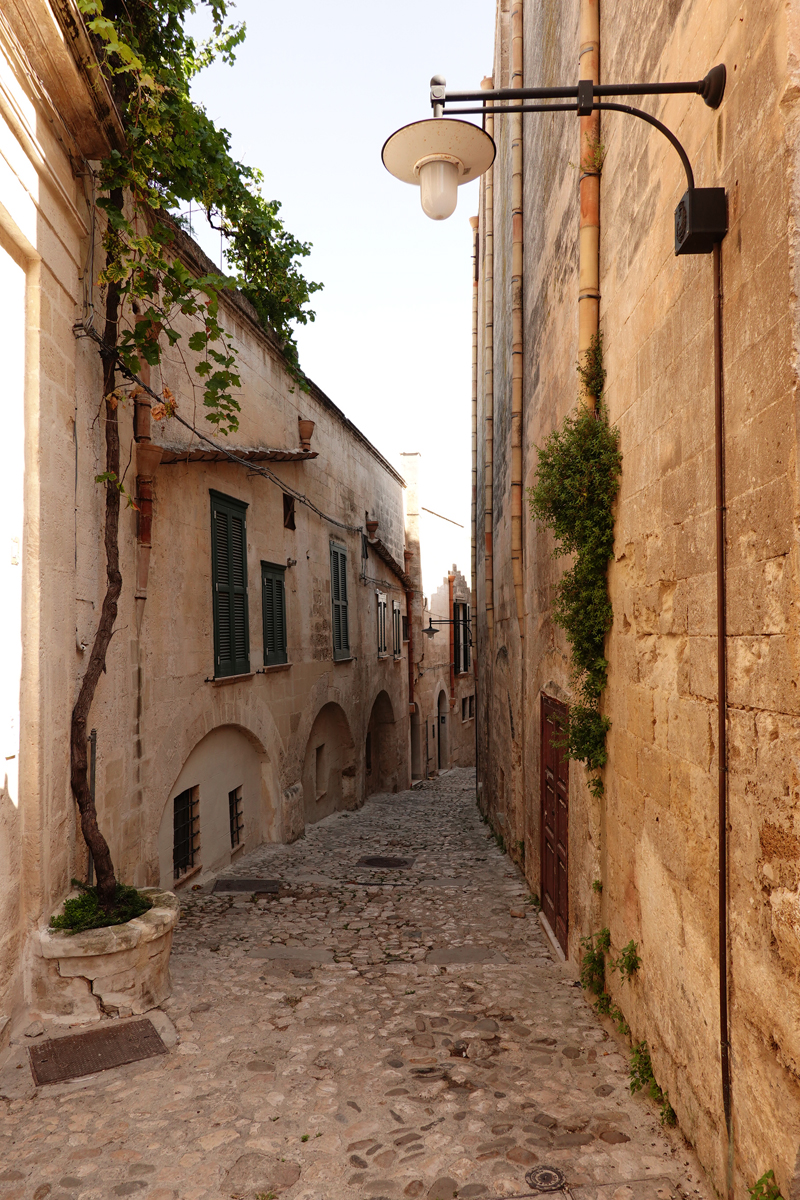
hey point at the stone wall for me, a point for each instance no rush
(652, 839)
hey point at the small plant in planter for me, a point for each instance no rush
(86, 912)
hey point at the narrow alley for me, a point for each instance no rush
(358, 1031)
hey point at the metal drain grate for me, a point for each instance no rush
(546, 1179)
(248, 885)
(396, 864)
(59, 1059)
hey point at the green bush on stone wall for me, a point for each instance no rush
(576, 484)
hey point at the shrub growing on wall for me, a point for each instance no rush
(576, 483)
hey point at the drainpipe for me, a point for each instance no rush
(488, 376)
(516, 322)
(722, 718)
(450, 581)
(473, 526)
(148, 457)
(589, 274)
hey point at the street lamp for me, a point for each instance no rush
(430, 632)
(441, 153)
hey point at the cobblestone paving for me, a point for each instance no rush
(331, 1046)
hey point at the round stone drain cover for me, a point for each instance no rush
(546, 1179)
(387, 863)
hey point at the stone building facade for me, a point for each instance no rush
(258, 677)
(443, 712)
(651, 842)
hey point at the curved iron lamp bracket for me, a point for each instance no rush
(701, 216)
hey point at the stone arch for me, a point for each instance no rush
(209, 708)
(329, 765)
(235, 809)
(381, 757)
(442, 731)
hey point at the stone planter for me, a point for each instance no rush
(119, 971)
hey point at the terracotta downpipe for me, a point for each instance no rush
(589, 275)
(517, 348)
(473, 526)
(488, 376)
(148, 457)
(450, 581)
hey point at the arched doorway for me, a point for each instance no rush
(218, 806)
(443, 733)
(329, 766)
(381, 765)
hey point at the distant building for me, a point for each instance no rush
(443, 720)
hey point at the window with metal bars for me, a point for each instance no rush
(273, 611)
(236, 815)
(229, 582)
(397, 637)
(381, 623)
(341, 631)
(186, 831)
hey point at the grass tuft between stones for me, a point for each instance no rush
(85, 911)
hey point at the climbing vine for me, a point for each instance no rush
(573, 494)
(172, 155)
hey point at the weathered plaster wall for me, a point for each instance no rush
(652, 840)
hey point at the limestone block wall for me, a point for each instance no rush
(652, 840)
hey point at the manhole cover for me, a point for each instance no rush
(248, 885)
(546, 1179)
(59, 1059)
(378, 860)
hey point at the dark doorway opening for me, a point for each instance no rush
(554, 820)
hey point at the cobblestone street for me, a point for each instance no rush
(358, 1033)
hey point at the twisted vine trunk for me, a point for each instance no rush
(79, 757)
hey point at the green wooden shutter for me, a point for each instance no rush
(341, 632)
(457, 638)
(467, 630)
(273, 606)
(229, 582)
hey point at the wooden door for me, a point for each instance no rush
(555, 820)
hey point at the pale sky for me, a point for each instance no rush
(316, 90)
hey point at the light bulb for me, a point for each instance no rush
(438, 188)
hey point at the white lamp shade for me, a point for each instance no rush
(438, 155)
(438, 188)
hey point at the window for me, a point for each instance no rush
(464, 708)
(273, 609)
(472, 706)
(320, 772)
(405, 629)
(381, 623)
(229, 581)
(186, 831)
(288, 512)
(341, 632)
(236, 816)
(397, 637)
(467, 708)
(461, 637)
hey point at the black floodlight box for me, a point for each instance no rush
(701, 220)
